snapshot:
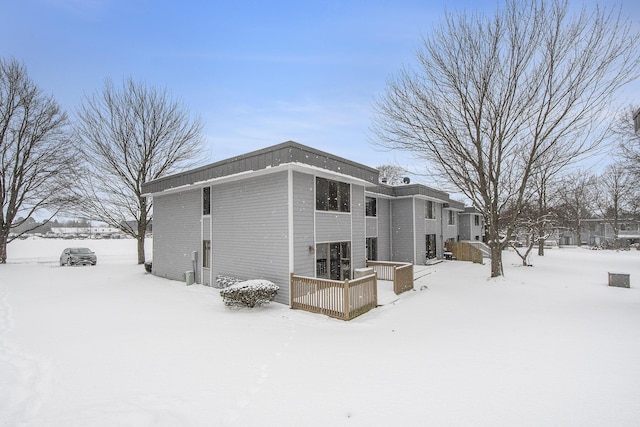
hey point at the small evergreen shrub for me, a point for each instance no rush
(148, 265)
(226, 281)
(249, 293)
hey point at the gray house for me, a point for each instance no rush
(288, 209)
(471, 224)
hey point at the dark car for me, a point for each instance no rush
(78, 256)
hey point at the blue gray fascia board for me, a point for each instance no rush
(410, 190)
(289, 152)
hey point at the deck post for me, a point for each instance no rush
(345, 299)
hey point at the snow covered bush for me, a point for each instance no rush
(249, 293)
(226, 281)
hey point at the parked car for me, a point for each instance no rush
(78, 256)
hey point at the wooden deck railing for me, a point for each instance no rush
(342, 300)
(463, 251)
(401, 273)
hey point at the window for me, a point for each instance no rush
(452, 218)
(206, 254)
(372, 248)
(625, 226)
(477, 221)
(370, 206)
(429, 212)
(333, 260)
(206, 201)
(430, 241)
(332, 195)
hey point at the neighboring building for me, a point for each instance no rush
(636, 122)
(412, 224)
(85, 231)
(288, 209)
(471, 224)
(599, 232)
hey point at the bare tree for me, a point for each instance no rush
(531, 228)
(36, 159)
(491, 96)
(128, 136)
(615, 198)
(576, 201)
(390, 174)
(629, 140)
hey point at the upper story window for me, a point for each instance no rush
(332, 195)
(429, 212)
(370, 206)
(452, 218)
(206, 201)
(477, 220)
(626, 226)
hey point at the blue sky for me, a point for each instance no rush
(258, 73)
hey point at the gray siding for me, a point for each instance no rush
(402, 230)
(333, 227)
(434, 226)
(176, 233)
(303, 224)
(206, 278)
(464, 226)
(250, 230)
(358, 243)
(476, 230)
(449, 231)
(420, 231)
(384, 229)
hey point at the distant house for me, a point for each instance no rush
(636, 121)
(599, 232)
(290, 208)
(84, 231)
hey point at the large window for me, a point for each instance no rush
(370, 206)
(431, 246)
(477, 220)
(372, 248)
(206, 254)
(429, 212)
(452, 218)
(332, 195)
(206, 201)
(333, 260)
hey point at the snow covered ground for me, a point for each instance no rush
(111, 345)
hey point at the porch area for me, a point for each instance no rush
(350, 298)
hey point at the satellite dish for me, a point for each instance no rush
(406, 180)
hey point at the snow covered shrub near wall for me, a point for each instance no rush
(226, 281)
(249, 293)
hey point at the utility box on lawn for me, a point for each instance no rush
(189, 277)
(619, 280)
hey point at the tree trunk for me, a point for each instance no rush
(4, 237)
(579, 233)
(496, 259)
(140, 239)
(142, 228)
(540, 246)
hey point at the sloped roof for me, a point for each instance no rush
(289, 152)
